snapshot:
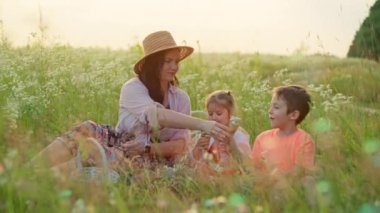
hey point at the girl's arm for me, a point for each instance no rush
(201, 146)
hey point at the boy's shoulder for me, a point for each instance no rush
(267, 133)
(273, 133)
(305, 134)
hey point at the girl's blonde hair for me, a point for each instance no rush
(222, 97)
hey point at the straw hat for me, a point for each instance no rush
(160, 41)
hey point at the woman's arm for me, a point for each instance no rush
(135, 99)
(172, 119)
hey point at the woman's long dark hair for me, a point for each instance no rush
(150, 76)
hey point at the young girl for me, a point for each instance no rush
(220, 106)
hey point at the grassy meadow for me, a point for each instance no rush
(44, 91)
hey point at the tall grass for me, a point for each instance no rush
(44, 91)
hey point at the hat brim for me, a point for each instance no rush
(184, 51)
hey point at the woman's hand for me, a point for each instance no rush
(217, 130)
(132, 148)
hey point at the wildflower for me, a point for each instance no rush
(217, 201)
(193, 209)
(259, 209)
(79, 206)
(161, 203)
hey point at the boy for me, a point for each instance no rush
(285, 150)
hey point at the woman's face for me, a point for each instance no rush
(218, 113)
(170, 65)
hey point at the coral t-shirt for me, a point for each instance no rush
(284, 153)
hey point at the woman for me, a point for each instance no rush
(155, 85)
(152, 109)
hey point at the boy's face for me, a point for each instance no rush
(279, 118)
(218, 113)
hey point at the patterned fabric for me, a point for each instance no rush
(110, 142)
(100, 173)
(104, 134)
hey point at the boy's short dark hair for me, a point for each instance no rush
(296, 98)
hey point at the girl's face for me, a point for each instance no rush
(170, 65)
(218, 113)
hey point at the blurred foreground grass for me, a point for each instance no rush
(45, 91)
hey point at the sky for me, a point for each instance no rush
(246, 26)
